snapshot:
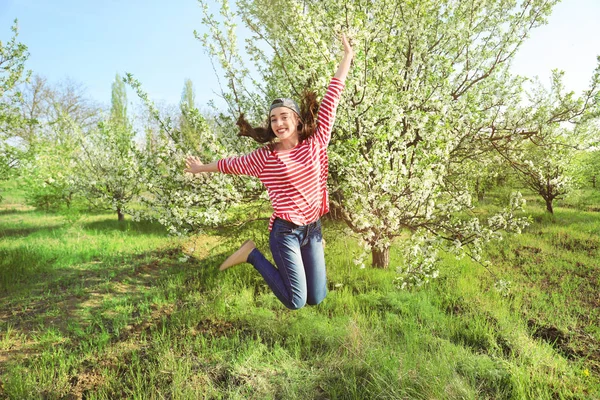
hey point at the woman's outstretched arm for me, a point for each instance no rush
(344, 66)
(250, 164)
(195, 166)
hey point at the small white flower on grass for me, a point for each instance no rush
(503, 287)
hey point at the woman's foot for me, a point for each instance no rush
(240, 256)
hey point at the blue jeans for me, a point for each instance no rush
(298, 253)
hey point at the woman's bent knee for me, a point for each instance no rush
(295, 305)
(316, 300)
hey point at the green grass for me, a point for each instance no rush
(90, 308)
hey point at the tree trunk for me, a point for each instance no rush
(335, 213)
(120, 214)
(549, 206)
(381, 258)
(479, 190)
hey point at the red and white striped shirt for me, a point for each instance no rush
(296, 179)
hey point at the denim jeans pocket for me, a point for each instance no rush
(282, 227)
(316, 231)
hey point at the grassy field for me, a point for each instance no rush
(94, 309)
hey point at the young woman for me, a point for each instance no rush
(293, 167)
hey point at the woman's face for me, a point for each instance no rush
(284, 123)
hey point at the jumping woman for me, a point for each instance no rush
(293, 167)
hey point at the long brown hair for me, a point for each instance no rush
(307, 123)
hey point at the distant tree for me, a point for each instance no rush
(544, 171)
(588, 172)
(481, 175)
(188, 129)
(118, 104)
(13, 56)
(49, 174)
(55, 116)
(10, 157)
(34, 109)
(108, 170)
(556, 125)
(43, 105)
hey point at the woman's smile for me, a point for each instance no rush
(284, 124)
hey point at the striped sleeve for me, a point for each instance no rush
(250, 164)
(327, 109)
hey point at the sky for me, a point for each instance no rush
(90, 42)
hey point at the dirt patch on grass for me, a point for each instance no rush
(202, 246)
(85, 382)
(91, 377)
(217, 328)
(569, 242)
(17, 350)
(118, 357)
(528, 250)
(556, 338)
(529, 254)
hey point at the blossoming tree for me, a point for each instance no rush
(54, 118)
(181, 202)
(13, 55)
(557, 125)
(108, 168)
(428, 81)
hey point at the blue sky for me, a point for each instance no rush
(90, 41)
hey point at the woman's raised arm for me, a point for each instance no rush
(344, 67)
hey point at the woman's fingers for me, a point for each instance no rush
(188, 164)
(192, 163)
(346, 44)
(192, 160)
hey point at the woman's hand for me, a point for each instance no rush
(344, 66)
(347, 47)
(193, 165)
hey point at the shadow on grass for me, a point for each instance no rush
(132, 227)
(80, 302)
(13, 211)
(22, 232)
(28, 265)
(565, 218)
(100, 300)
(28, 269)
